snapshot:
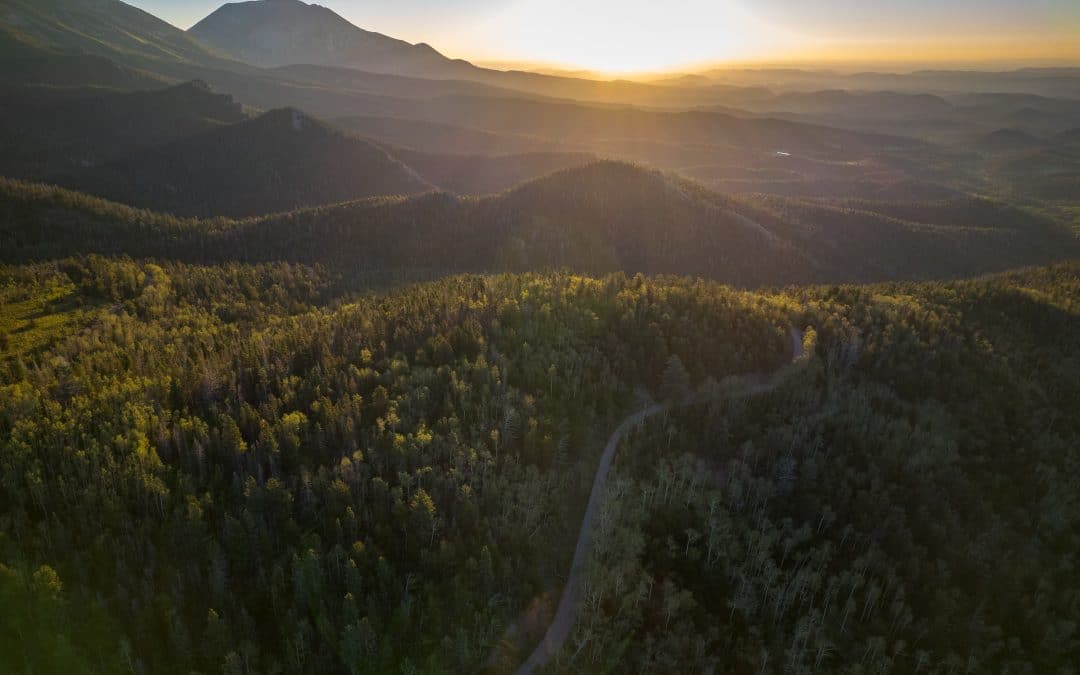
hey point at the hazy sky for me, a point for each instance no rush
(633, 35)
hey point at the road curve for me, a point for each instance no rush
(563, 622)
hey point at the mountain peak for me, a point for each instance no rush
(273, 33)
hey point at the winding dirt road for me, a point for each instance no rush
(563, 622)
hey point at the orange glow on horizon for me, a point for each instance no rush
(635, 37)
(970, 53)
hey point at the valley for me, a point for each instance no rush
(324, 351)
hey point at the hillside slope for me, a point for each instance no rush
(878, 240)
(280, 161)
(271, 456)
(42, 135)
(470, 174)
(31, 64)
(622, 128)
(597, 218)
(894, 443)
(444, 138)
(600, 217)
(285, 32)
(106, 28)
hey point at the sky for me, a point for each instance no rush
(630, 36)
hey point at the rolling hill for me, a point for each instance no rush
(1008, 140)
(933, 239)
(279, 161)
(604, 216)
(155, 149)
(473, 174)
(597, 218)
(43, 133)
(530, 112)
(444, 138)
(664, 138)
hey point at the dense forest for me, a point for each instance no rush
(192, 430)
(905, 504)
(243, 467)
(324, 353)
(596, 219)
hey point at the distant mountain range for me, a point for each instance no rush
(284, 160)
(231, 47)
(166, 148)
(276, 53)
(190, 151)
(108, 100)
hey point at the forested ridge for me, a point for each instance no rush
(49, 131)
(323, 489)
(249, 468)
(279, 161)
(598, 218)
(362, 368)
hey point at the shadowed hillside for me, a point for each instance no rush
(280, 161)
(44, 133)
(484, 174)
(874, 240)
(601, 217)
(597, 218)
(107, 28)
(1008, 140)
(27, 62)
(445, 138)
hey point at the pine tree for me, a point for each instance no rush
(675, 382)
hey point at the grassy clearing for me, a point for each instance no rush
(27, 325)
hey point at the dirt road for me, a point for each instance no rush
(563, 622)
